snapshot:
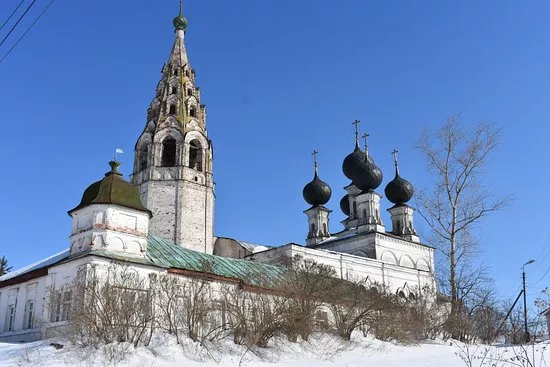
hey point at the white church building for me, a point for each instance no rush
(162, 219)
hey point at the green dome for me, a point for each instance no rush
(112, 189)
(180, 22)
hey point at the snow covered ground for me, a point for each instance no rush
(320, 351)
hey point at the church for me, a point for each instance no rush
(161, 220)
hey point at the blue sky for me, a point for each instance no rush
(279, 78)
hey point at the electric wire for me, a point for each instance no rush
(541, 278)
(16, 23)
(27, 31)
(11, 15)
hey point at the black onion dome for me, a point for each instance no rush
(317, 192)
(344, 205)
(399, 190)
(366, 175)
(352, 160)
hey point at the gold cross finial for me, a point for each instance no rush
(356, 123)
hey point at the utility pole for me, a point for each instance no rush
(526, 336)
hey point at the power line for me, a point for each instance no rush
(541, 278)
(16, 23)
(11, 15)
(27, 31)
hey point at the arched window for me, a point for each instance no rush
(142, 158)
(312, 230)
(168, 152)
(193, 111)
(354, 210)
(325, 228)
(172, 109)
(365, 214)
(401, 294)
(176, 72)
(189, 92)
(195, 155)
(412, 296)
(174, 89)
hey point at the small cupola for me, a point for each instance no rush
(110, 217)
(112, 189)
(399, 191)
(180, 23)
(355, 158)
(366, 176)
(363, 202)
(317, 193)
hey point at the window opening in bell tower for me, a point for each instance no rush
(168, 152)
(195, 155)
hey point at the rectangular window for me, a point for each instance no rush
(137, 300)
(61, 307)
(10, 318)
(28, 320)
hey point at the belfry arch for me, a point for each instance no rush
(168, 157)
(195, 155)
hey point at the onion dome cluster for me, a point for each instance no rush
(317, 192)
(367, 176)
(399, 190)
(352, 160)
(361, 169)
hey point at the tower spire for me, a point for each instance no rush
(173, 156)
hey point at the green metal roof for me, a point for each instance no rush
(164, 253)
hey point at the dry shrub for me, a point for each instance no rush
(114, 307)
(306, 285)
(406, 320)
(187, 307)
(354, 305)
(254, 318)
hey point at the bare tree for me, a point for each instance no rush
(307, 286)
(114, 306)
(457, 201)
(354, 304)
(254, 318)
(187, 306)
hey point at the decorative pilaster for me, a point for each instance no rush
(317, 218)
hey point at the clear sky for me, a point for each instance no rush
(279, 78)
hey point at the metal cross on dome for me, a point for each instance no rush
(365, 136)
(394, 153)
(356, 123)
(314, 154)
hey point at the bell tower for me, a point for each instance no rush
(173, 155)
